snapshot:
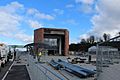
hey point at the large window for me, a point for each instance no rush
(51, 42)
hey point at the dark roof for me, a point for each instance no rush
(112, 39)
(57, 29)
(115, 44)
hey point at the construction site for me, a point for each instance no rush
(48, 58)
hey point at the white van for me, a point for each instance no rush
(3, 54)
(0, 61)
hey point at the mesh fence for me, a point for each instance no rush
(108, 54)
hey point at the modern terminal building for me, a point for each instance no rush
(57, 39)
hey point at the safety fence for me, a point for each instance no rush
(108, 58)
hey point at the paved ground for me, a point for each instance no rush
(18, 72)
(4, 70)
(110, 73)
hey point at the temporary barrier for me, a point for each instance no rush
(108, 58)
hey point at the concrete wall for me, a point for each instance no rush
(38, 35)
(66, 43)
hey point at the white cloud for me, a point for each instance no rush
(85, 1)
(86, 6)
(35, 24)
(107, 19)
(23, 37)
(70, 6)
(85, 9)
(44, 16)
(59, 11)
(12, 7)
(34, 12)
(10, 22)
(84, 36)
(71, 21)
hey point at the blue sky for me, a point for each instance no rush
(82, 18)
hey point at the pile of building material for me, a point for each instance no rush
(74, 69)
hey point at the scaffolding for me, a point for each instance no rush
(107, 54)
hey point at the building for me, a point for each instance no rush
(57, 39)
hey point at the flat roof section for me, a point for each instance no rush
(18, 72)
(56, 29)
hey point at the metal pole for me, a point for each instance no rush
(97, 63)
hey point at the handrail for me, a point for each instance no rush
(46, 70)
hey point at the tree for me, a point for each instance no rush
(100, 40)
(105, 36)
(108, 36)
(119, 33)
(97, 39)
(83, 41)
(88, 40)
(92, 39)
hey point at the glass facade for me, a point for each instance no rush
(51, 42)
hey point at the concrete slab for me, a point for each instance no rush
(18, 72)
(4, 70)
